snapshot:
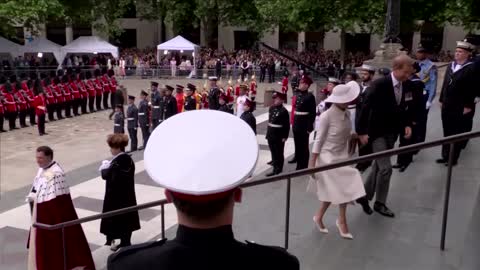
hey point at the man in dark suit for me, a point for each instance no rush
(457, 99)
(383, 118)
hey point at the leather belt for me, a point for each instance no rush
(141, 113)
(130, 119)
(301, 113)
(117, 125)
(156, 107)
(274, 125)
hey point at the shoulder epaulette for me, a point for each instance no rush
(126, 251)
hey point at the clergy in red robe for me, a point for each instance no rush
(51, 203)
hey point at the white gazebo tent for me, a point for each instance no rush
(181, 44)
(8, 49)
(88, 44)
(43, 45)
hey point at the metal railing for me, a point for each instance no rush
(451, 140)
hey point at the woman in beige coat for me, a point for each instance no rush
(342, 185)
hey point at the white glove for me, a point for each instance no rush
(105, 165)
(429, 104)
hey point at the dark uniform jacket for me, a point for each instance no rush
(416, 108)
(143, 114)
(278, 123)
(213, 95)
(169, 107)
(119, 193)
(380, 114)
(225, 108)
(118, 123)
(459, 89)
(359, 105)
(250, 119)
(190, 103)
(132, 116)
(157, 106)
(212, 249)
(305, 112)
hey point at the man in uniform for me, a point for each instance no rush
(106, 88)
(169, 103)
(98, 89)
(277, 131)
(51, 101)
(144, 117)
(91, 91)
(55, 85)
(132, 123)
(76, 94)
(2, 112)
(67, 94)
(204, 205)
(190, 101)
(213, 94)
(157, 108)
(118, 120)
(83, 92)
(303, 121)
(366, 73)
(40, 105)
(11, 109)
(22, 104)
(180, 97)
(457, 98)
(428, 74)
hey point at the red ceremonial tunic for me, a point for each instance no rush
(40, 105)
(21, 102)
(58, 93)
(75, 91)
(229, 94)
(82, 88)
(180, 97)
(105, 84)
(67, 94)
(49, 94)
(10, 104)
(90, 87)
(2, 111)
(253, 89)
(237, 90)
(113, 84)
(98, 86)
(292, 115)
(285, 85)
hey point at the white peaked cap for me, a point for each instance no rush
(465, 45)
(213, 152)
(344, 93)
(367, 67)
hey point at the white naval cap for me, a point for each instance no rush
(334, 80)
(212, 78)
(465, 45)
(367, 68)
(213, 152)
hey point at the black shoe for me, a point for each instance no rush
(441, 160)
(453, 164)
(291, 161)
(383, 210)
(270, 162)
(365, 206)
(397, 166)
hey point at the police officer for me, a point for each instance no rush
(157, 108)
(204, 205)
(277, 131)
(247, 115)
(303, 121)
(169, 103)
(118, 120)
(366, 73)
(144, 117)
(457, 98)
(190, 101)
(213, 94)
(428, 75)
(132, 122)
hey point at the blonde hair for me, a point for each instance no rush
(117, 140)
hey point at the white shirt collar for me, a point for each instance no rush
(394, 80)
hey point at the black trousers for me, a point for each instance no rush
(12, 117)
(468, 125)
(83, 103)
(132, 132)
(68, 108)
(112, 101)
(155, 123)
(105, 100)
(2, 118)
(262, 76)
(31, 114)
(91, 102)
(277, 147)
(75, 105)
(300, 138)
(59, 107)
(124, 239)
(22, 115)
(271, 77)
(453, 123)
(51, 110)
(364, 150)
(145, 134)
(41, 124)
(98, 103)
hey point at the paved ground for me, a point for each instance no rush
(410, 241)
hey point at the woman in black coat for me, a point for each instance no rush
(119, 193)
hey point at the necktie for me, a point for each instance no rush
(398, 93)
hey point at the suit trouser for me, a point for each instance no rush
(68, 108)
(364, 150)
(91, 102)
(406, 158)
(452, 124)
(12, 117)
(51, 110)
(378, 181)
(41, 124)
(145, 134)
(277, 147)
(98, 102)
(22, 115)
(468, 125)
(300, 138)
(105, 100)
(31, 114)
(132, 132)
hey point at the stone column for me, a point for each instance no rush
(417, 38)
(68, 33)
(301, 42)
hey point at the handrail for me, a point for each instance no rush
(279, 177)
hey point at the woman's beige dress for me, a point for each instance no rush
(341, 185)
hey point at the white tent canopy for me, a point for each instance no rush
(43, 45)
(6, 46)
(178, 43)
(89, 44)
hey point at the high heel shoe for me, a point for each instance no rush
(322, 230)
(348, 236)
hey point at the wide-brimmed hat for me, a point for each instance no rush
(344, 93)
